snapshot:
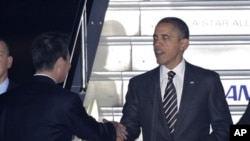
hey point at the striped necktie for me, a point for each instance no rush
(170, 103)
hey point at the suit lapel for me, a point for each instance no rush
(188, 89)
(155, 96)
(155, 90)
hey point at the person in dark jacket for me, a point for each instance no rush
(200, 110)
(5, 64)
(245, 118)
(41, 110)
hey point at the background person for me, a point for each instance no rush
(245, 119)
(5, 64)
(200, 95)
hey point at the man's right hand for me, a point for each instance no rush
(121, 132)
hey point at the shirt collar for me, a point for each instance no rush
(179, 69)
(41, 74)
(4, 86)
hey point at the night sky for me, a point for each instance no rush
(22, 20)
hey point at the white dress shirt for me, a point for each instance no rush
(177, 80)
(4, 86)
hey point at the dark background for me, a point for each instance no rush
(22, 20)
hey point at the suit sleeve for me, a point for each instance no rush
(219, 111)
(86, 127)
(130, 118)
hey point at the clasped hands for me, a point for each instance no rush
(121, 132)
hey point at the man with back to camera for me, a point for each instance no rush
(176, 101)
(40, 110)
(5, 64)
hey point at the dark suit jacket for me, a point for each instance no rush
(203, 102)
(11, 85)
(40, 110)
(245, 119)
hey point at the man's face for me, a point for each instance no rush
(168, 46)
(5, 60)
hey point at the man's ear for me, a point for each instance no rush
(184, 44)
(10, 61)
(59, 63)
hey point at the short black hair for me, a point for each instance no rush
(47, 48)
(179, 24)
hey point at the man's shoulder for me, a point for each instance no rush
(198, 70)
(153, 73)
(12, 84)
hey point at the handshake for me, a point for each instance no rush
(121, 132)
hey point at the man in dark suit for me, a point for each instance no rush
(5, 63)
(202, 111)
(41, 110)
